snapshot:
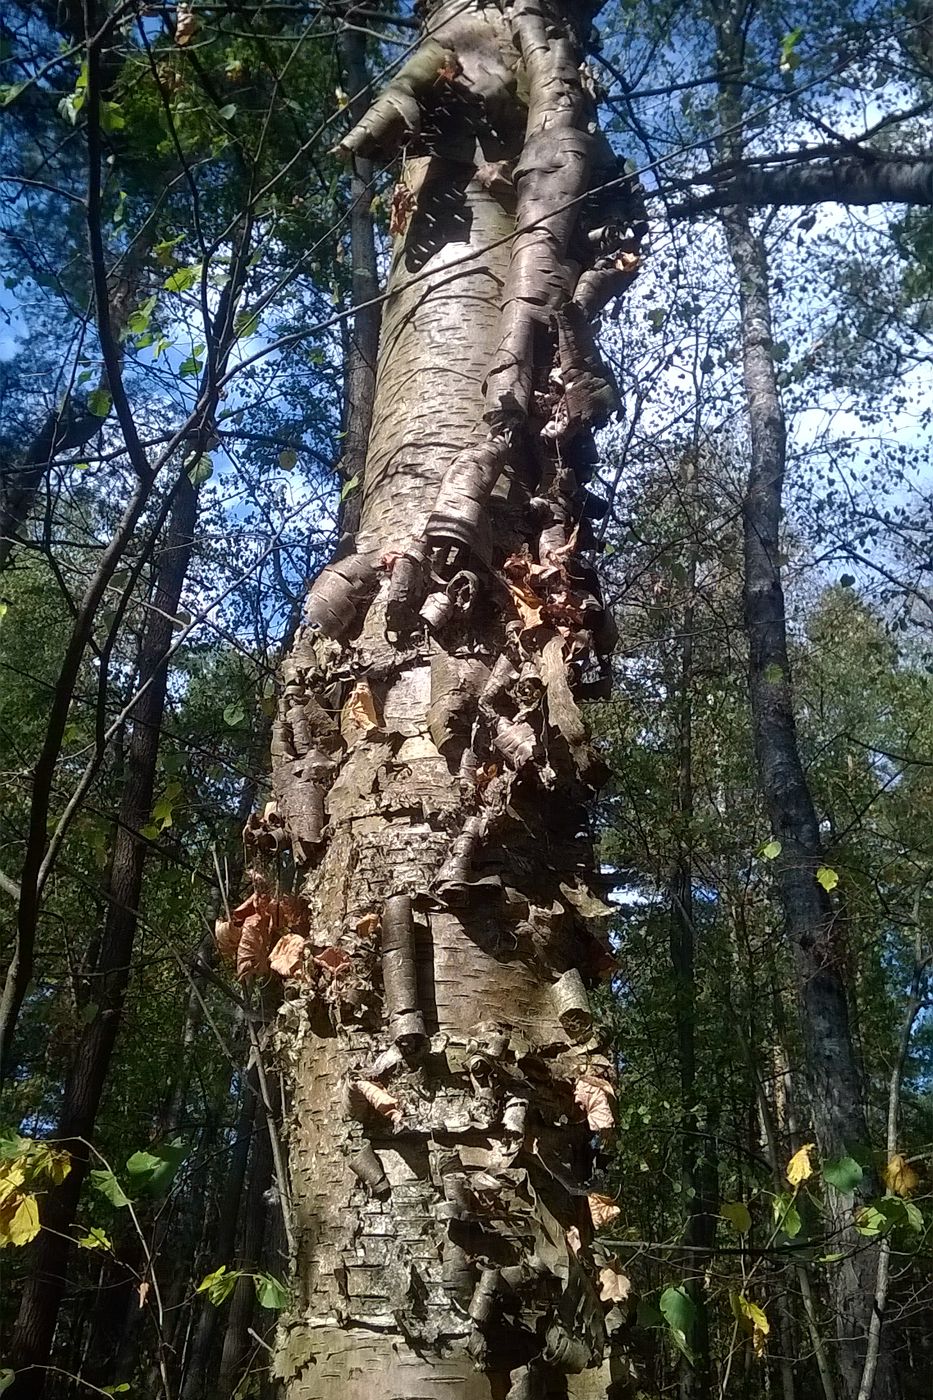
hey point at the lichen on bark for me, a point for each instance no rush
(431, 766)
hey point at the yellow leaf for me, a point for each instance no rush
(752, 1319)
(900, 1177)
(800, 1168)
(23, 1224)
(12, 1177)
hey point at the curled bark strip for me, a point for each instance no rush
(516, 741)
(573, 1005)
(396, 113)
(455, 877)
(483, 1303)
(339, 593)
(460, 516)
(458, 1272)
(399, 972)
(300, 803)
(367, 1098)
(590, 392)
(367, 1166)
(455, 685)
(600, 285)
(407, 588)
(563, 711)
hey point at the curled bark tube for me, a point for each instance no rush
(513, 1117)
(399, 972)
(457, 1272)
(367, 1166)
(338, 594)
(407, 588)
(455, 683)
(483, 1303)
(436, 610)
(300, 802)
(460, 514)
(573, 1005)
(566, 1353)
(590, 391)
(516, 741)
(453, 878)
(396, 113)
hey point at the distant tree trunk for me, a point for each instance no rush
(431, 767)
(238, 1345)
(70, 425)
(362, 345)
(700, 1225)
(195, 1383)
(835, 1090)
(39, 1306)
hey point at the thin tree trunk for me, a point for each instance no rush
(237, 1346)
(836, 1101)
(439, 1161)
(39, 1306)
(363, 335)
(195, 1383)
(700, 1224)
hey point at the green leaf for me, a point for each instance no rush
(120, 1389)
(104, 1181)
(200, 471)
(95, 1239)
(679, 1312)
(870, 1222)
(844, 1175)
(774, 673)
(789, 59)
(349, 487)
(827, 878)
(270, 1293)
(10, 92)
(88, 1013)
(192, 365)
(183, 279)
(738, 1216)
(138, 321)
(154, 1171)
(656, 317)
(787, 1216)
(228, 112)
(246, 322)
(7, 1378)
(847, 581)
(913, 1215)
(770, 850)
(111, 116)
(288, 459)
(219, 1285)
(99, 402)
(234, 714)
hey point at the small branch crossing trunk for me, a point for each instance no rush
(425, 879)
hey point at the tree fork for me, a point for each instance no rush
(431, 769)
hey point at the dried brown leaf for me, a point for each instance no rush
(603, 1209)
(187, 25)
(226, 937)
(252, 957)
(286, 956)
(614, 1285)
(367, 926)
(360, 709)
(597, 1099)
(335, 960)
(527, 604)
(143, 1291)
(380, 1100)
(574, 1240)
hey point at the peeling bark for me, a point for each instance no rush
(431, 767)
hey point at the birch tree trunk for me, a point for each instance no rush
(426, 873)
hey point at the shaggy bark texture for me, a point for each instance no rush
(424, 880)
